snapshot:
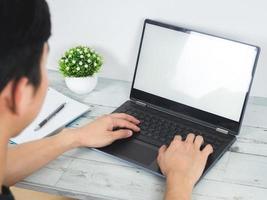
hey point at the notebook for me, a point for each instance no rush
(72, 110)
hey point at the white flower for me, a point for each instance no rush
(81, 56)
(88, 55)
(95, 64)
(71, 52)
(80, 63)
(94, 55)
(73, 61)
(78, 68)
(67, 68)
(85, 50)
(89, 61)
(62, 60)
(86, 66)
(69, 56)
(66, 60)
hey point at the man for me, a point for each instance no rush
(25, 30)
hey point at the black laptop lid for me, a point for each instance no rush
(195, 74)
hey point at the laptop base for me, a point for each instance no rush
(143, 153)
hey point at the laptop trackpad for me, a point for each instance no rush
(135, 150)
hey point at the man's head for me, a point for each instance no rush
(25, 29)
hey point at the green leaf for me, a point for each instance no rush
(80, 61)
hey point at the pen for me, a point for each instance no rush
(42, 123)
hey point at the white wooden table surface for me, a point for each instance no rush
(241, 174)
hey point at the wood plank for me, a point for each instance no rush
(251, 141)
(213, 190)
(120, 181)
(50, 174)
(255, 115)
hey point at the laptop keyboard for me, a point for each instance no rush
(157, 130)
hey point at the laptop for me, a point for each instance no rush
(185, 81)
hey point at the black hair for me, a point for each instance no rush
(25, 27)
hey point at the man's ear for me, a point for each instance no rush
(22, 94)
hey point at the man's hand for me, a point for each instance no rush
(183, 164)
(100, 132)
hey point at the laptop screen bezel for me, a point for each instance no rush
(215, 120)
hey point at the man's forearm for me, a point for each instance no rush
(24, 159)
(177, 189)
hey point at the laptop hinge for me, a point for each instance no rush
(140, 103)
(222, 130)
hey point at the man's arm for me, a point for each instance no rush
(24, 159)
(177, 189)
(183, 163)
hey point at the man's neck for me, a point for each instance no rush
(3, 152)
(5, 132)
(7, 128)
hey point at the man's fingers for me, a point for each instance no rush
(162, 149)
(198, 141)
(175, 142)
(120, 134)
(190, 138)
(178, 137)
(122, 123)
(207, 150)
(126, 117)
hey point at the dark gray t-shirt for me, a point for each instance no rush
(6, 194)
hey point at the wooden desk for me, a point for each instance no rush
(86, 174)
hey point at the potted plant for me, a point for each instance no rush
(79, 66)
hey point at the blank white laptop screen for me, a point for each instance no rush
(198, 70)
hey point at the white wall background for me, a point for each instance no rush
(113, 28)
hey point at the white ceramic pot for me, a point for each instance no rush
(81, 85)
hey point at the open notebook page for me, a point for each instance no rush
(72, 110)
